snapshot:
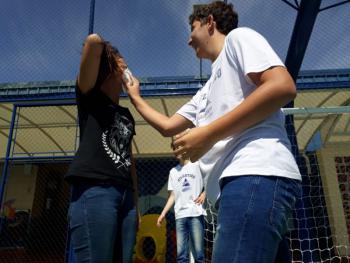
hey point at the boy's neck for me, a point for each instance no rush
(216, 45)
(184, 162)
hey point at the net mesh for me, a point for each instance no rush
(319, 228)
(43, 43)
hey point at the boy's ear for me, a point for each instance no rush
(211, 24)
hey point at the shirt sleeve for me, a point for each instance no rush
(189, 110)
(252, 51)
(170, 181)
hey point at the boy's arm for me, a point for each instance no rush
(168, 205)
(275, 88)
(167, 126)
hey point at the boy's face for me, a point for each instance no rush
(198, 38)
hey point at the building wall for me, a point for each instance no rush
(20, 187)
(327, 157)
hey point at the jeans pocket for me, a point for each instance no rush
(279, 221)
(74, 221)
(285, 194)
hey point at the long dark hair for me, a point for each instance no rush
(108, 63)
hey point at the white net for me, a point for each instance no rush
(320, 226)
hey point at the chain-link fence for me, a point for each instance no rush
(42, 41)
(36, 196)
(37, 199)
(34, 225)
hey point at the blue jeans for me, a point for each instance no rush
(102, 222)
(190, 229)
(253, 218)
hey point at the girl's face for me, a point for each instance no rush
(117, 75)
(113, 83)
(121, 65)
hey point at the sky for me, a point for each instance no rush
(41, 40)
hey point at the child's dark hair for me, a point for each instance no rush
(224, 15)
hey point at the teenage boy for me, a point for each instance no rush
(237, 135)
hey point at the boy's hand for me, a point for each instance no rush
(132, 87)
(193, 144)
(200, 199)
(159, 220)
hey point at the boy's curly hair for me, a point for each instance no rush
(224, 15)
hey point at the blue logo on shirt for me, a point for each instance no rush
(186, 185)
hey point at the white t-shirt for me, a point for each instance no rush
(187, 183)
(263, 149)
